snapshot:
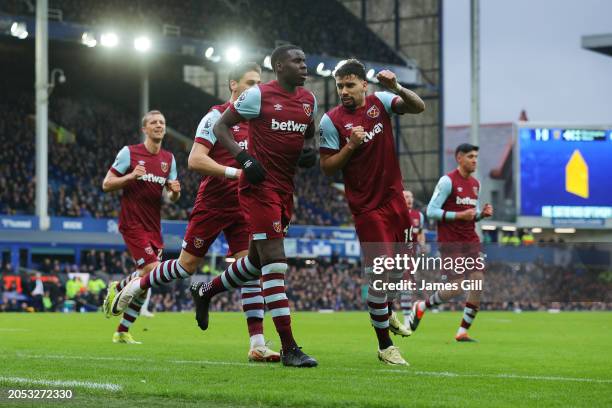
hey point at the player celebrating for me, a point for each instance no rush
(141, 171)
(416, 235)
(455, 205)
(280, 115)
(357, 138)
(216, 208)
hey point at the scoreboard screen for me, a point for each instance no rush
(565, 172)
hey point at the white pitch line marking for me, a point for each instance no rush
(61, 383)
(406, 371)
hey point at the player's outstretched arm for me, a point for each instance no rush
(112, 182)
(410, 102)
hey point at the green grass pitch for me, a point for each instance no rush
(528, 359)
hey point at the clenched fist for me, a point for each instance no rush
(357, 137)
(138, 172)
(388, 80)
(174, 186)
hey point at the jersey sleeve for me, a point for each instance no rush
(441, 193)
(330, 139)
(478, 208)
(173, 173)
(387, 99)
(315, 107)
(122, 162)
(248, 104)
(421, 221)
(204, 133)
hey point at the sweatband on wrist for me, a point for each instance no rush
(230, 172)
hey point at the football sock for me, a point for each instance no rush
(163, 274)
(235, 276)
(121, 284)
(379, 317)
(469, 314)
(432, 300)
(405, 304)
(131, 314)
(273, 277)
(253, 308)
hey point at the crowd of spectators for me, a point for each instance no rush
(60, 285)
(319, 26)
(77, 168)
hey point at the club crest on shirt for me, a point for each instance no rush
(277, 226)
(307, 109)
(373, 112)
(149, 250)
(198, 242)
(164, 167)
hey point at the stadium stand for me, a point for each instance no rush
(210, 19)
(103, 119)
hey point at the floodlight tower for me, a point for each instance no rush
(42, 111)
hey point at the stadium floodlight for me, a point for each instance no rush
(210, 55)
(267, 62)
(88, 39)
(109, 40)
(19, 30)
(233, 54)
(536, 230)
(370, 74)
(142, 44)
(322, 71)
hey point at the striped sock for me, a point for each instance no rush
(379, 317)
(131, 314)
(433, 300)
(121, 284)
(253, 308)
(469, 314)
(163, 274)
(273, 276)
(236, 275)
(406, 304)
(390, 308)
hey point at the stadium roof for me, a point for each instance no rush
(601, 43)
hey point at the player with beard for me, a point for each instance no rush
(357, 138)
